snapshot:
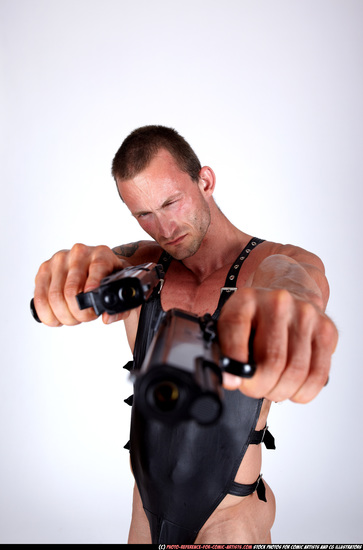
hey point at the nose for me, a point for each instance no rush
(166, 226)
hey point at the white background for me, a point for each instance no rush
(269, 94)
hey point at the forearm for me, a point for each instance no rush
(303, 280)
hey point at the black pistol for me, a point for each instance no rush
(181, 375)
(122, 290)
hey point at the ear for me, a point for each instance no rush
(207, 180)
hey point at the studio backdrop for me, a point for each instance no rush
(269, 94)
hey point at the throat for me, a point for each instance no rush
(218, 251)
(201, 269)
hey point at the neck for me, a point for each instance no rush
(220, 246)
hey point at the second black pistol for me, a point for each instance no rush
(123, 290)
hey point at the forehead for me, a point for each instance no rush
(159, 180)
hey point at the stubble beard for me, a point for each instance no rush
(194, 245)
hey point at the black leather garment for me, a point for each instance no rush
(183, 471)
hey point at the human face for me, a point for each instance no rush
(171, 207)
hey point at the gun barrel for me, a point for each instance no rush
(180, 377)
(123, 290)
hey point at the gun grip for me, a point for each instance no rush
(34, 311)
(244, 370)
(84, 300)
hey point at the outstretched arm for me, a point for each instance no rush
(294, 339)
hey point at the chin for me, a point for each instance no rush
(178, 254)
(183, 254)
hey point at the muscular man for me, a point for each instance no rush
(281, 295)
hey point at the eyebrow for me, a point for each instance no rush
(165, 203)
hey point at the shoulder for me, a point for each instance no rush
(138, 252)
(300, 255)
(287, 255)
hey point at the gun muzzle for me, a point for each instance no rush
(122, 290)
(173, 395)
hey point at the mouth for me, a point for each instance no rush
(176, 241)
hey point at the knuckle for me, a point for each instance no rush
(236, 349)
(256, 390)
(102, 249)
(70, 290)
(275, 357)
(277, 395)
(40, 301)
(55, 295)
(307, 312)
(102, 255)
(55, 264)
(320, 374)
(297, 370)
(235, 317)
(255, 393)
(79, 251)
(239, 307)
(281, 301)
(59, 257)
(43, 270)
(327, 333)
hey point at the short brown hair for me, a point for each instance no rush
(140, 147)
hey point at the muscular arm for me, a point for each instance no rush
(126, 250)
(138, 252)
(283, 306)
(303, 276)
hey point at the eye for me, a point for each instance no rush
(142, 215)
(171, 202)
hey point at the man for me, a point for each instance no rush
(280, 295)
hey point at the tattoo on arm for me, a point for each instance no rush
(126, 250)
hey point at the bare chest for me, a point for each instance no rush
(181, 289)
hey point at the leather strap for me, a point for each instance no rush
(243, 490)
(231, 279)
(263, 436)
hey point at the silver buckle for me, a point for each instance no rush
(228, 289)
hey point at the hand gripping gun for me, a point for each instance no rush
(122, 290)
